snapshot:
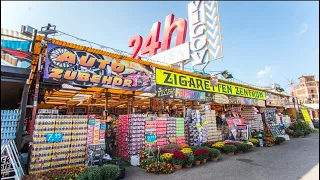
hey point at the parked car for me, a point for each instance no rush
(315, 123)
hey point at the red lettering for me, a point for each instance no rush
(152, 44)
(170, 27)
(136, 43)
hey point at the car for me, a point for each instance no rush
(315, 124)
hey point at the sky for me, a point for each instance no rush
(264, 42)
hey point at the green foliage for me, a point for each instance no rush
(241, 147)
(280, 140)
(190, 158)
(94, 173)
(214, 153)
(193, 148)
(229, 148)
(106, 172)
(173, 146)
(110, 171)
(298, 133)
(146, 162)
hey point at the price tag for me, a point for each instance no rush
(150, 138)
(54, 137)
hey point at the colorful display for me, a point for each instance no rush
(87, 69)
(172, 79)
(177, 93)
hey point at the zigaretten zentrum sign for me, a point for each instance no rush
(204, 31)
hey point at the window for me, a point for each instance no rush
(311, 91)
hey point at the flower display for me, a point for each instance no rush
(270, 139)
(166, 157)
(254, 141)
(228, 142)
(184, 145)
(201, 154)
(218, 145)
(179, 158)
(160, 168)
(186, 150)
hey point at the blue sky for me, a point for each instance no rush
(264, 42)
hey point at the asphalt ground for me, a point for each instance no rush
(296, 159)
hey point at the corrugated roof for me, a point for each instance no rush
(7, 34)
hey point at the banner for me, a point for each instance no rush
(168, 78)
(306, 115)
(87, 69)
(273, 100)
(177, 93)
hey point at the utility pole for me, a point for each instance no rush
(49, 29)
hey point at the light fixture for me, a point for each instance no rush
(67, 91)
(55, 103)
(67, 86)
(50, 97)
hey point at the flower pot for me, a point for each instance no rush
(204, 161)
(214, 159)
(177, 167)
(188, 165)
(230, 153)
(197, 163)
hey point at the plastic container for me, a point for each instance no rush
(135, 160)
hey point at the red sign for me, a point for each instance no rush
(152, 43)
(232, 121)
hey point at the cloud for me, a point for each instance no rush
(303, 29)
(267, 71)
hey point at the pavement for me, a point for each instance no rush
(297, 159)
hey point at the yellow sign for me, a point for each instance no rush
(305, 115)
(178, 80)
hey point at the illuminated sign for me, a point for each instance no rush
(168, 78)
(88, 69)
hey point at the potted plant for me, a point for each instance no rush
(205, 154)
(178, 159)
(270, 141)
(229, 149)
(280, 140)
(254, 141)
(198, 157)
(189, 161)
(219, 145)
(214, 154)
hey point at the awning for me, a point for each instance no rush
(313, 106)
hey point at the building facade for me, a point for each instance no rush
(307, 90)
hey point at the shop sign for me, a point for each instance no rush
(177, 93)
(258, 102)
(306, 115)
(204, 32)
(168, 78)
(273, 100)
(174, 55)
(213, 80)
(221, 99)
(87, 69)
(6, 166)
